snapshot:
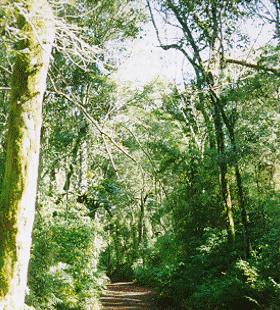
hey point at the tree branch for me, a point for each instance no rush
(255, 66)
(108, 151)
(92, 121)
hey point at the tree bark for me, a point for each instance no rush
(141, 219)
(239, 184)
(277, 22)
(83, 167)
(223, 172)
(244, 216)
(254, 66)
(17, 204)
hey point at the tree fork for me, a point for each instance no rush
(17, 203)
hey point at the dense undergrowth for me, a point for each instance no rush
(63, 267)
(213, 276)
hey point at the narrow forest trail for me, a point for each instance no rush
(127, 295)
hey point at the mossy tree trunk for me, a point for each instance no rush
(17, 204)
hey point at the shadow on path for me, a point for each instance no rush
(127, 295)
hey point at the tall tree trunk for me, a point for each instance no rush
(223, 172)
(220, 143)
(83, 167)
(141, 219)
(239, 184)
(244, 216)
(277, 18)
(17, 204)
(240, 194)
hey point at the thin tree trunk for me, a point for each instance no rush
(17, 205)
(141, 220)
(239, 184)
(241, 201)
(244, 215)
(277, 21)
(219, 135)
(223, 173)
(83, 167)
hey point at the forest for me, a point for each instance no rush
(139, 154)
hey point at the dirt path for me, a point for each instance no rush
(127, 295)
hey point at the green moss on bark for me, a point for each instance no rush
(28, 85)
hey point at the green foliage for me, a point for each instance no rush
(64, 272)
(162, 262)
(211, 277)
